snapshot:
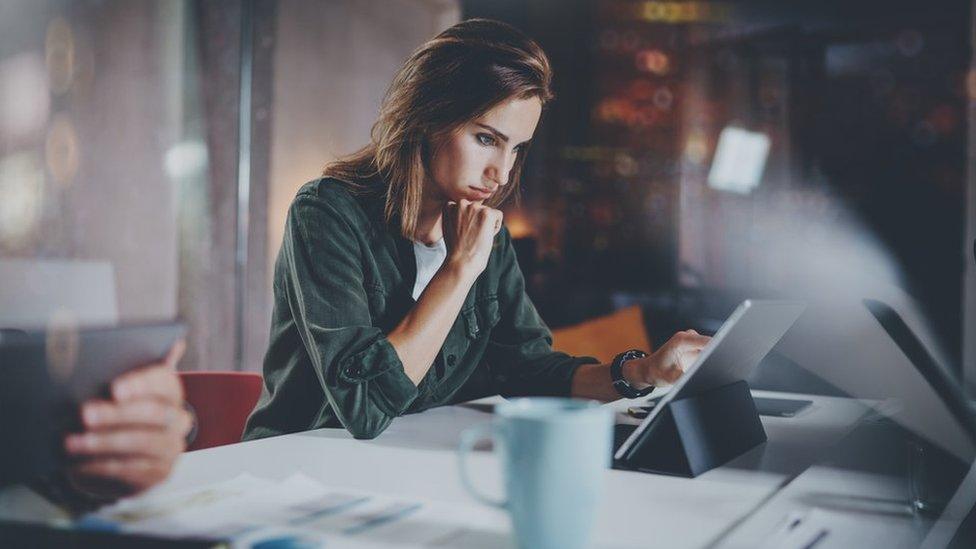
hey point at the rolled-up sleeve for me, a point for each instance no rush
(359, 370)
(520, 354)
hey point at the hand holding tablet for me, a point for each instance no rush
(131, 440)
(102, 406)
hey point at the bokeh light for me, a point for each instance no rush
(25, 101)
(696, 148)
(21, 199)
(653, 61)
(625, 165)
(62, 345)
(663, 98)
(518, 223)
(61, 150)
(59, 55)
(683, 12)
(185, 159)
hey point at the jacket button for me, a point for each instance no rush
(451, 359)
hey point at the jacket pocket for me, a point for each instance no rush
(481, 317)
(376, 299)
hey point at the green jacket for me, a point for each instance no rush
(343, 280)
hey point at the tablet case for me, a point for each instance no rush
(698, 433)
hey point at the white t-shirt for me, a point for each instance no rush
(429, 259)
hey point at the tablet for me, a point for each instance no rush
(740, 344)
(45, 375)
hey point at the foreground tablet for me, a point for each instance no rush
(45, 375)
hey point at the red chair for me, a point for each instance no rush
(221, 401)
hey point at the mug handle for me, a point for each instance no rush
(469, 438)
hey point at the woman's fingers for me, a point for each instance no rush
(480, 223)
(156, 381)
(176, 353)
(145, 442)
(692, 338)
(674, 367)
(685, 360)
(469, 232)
(473, 214)
(129, 450)
(146, 413)
(676, 356)
(497, 222)
(131, 442)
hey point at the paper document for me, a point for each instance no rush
(301, 512)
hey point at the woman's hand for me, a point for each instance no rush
(669, 362)
(131, 441)
(469, 232)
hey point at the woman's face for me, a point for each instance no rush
(474, 161)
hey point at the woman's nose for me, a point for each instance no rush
(500, 167)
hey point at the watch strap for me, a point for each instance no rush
(622, 386)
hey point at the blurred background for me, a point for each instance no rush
(698, 153)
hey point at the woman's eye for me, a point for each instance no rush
(485, 139)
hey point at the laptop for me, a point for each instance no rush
(935, 374)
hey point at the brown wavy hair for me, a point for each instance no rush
(459, 75)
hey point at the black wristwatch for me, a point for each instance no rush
(625, 389)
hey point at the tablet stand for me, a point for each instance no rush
(698, 433)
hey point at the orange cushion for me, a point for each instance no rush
(604, 337)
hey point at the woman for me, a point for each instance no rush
(397, 287)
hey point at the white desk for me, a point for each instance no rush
(415, 457)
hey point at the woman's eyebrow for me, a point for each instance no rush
(497, 133)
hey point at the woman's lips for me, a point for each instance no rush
(481, 192)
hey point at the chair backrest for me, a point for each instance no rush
(221, 401)
(604, 337)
